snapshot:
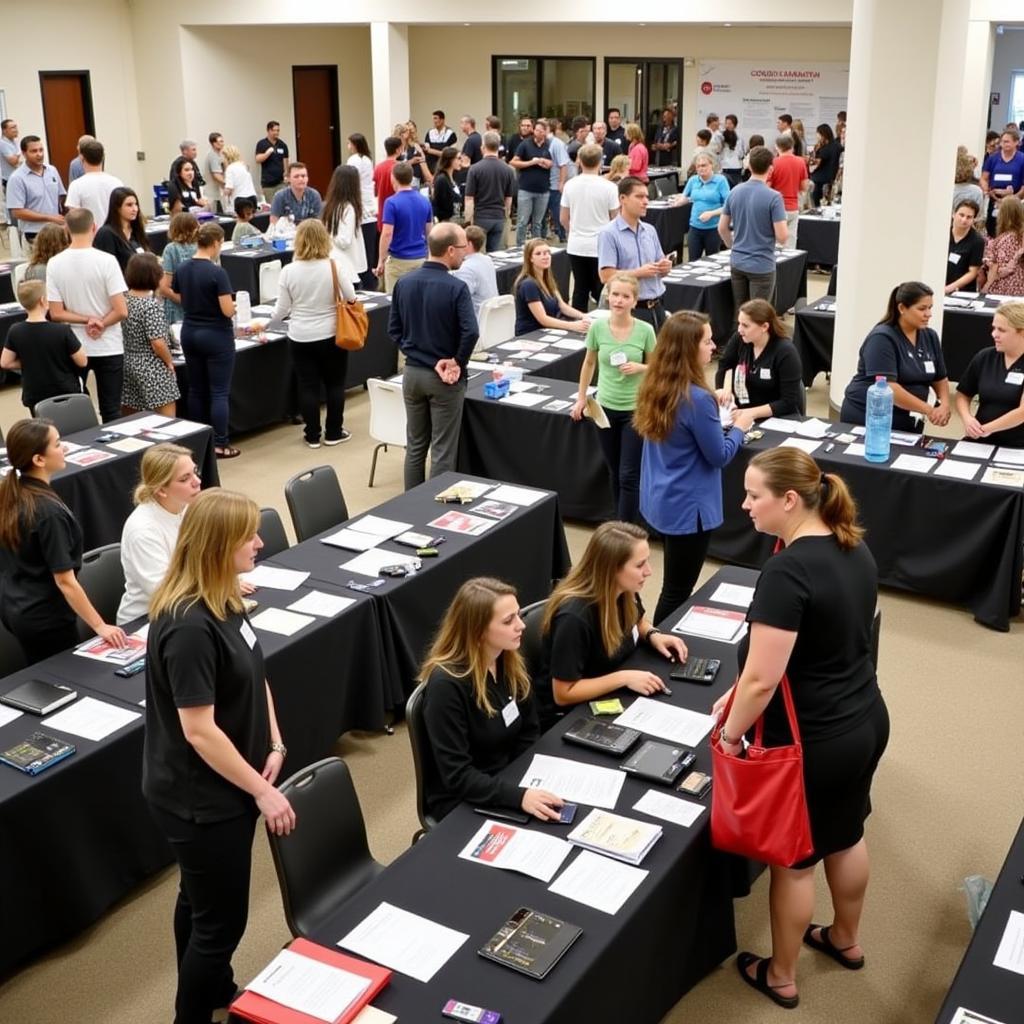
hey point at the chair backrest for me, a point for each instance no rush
(497, 321)
(327, 858)
(271, 530)
(270, 275)
(102, 579)
(652, 189)
(428, 778)
(666, 185)
(18, 275)
(387, 411)
(531, 645)
(12, 657)
(315, 501)
(70, 413)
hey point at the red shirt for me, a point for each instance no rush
(638, 159)
(786, 175)
(383, 187)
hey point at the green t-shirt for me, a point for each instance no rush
(617, 390)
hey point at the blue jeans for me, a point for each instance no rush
(210, 358)
(494, 230)
(701, 242)
(623, 448)
(532, 207)
(555, 209)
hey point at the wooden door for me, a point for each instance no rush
(317, 132)
(67, 114)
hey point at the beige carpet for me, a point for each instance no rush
(947, 803)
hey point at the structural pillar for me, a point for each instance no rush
(977, 87)
(389, 58)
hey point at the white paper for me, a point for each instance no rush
(316, 602)
(546, 357)
(779, 424)
(666, 721)
(124, 429)
(8, 715)
(805, 444)
(813, 428)
(352, 540)
(369, 562)
(712, 623)
(669, 808)
(277, 620)
(91, 719)
(473, 364)
(706, 277)
(570, 344)
(405, 942)
(857, 449)
(965, 1016)
(371, 1015)
(598, 882)
(515, 495)
(276, 579)
(1010, 954)
(89, 457)
(129, 444)
(181, 428)
(1003, 477)
(380, 527)
(957, 470)
(859, 431)
(733, 593)
(575, 781)
(1012, 456)
(309, 986)
(527, 399)
(470, 488)
(515, 387)
(913, 463)
(532, 853)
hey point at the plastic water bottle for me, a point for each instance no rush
(878, 422)
(243, 309)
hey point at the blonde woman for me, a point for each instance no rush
(213, 748)
(478, 705)
(238, 183)
(539, 303)
(412, 153)
(594, 620)
(618, 168)
(639, 158)
(52, 239)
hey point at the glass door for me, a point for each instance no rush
(642, 89)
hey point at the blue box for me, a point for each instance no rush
(496, 388)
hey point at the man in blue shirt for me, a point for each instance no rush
(35, 193)
(407, 218)
(629, 243)
(753, 220)
(298, 200)
(1002, 175)
(433, 323)
(560, 162)
(533, 162)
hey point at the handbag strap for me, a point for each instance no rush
(338, 298)
(787, 699)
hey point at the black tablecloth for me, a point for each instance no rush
(7, 280)
(243, 266)
(8, 318)
(813, 334)
(954, 540)
(672, 224)
(979, 985)
(632, 966)
(818, 236)
(509, 265)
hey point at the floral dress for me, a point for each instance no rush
(148, 382)
(1006, 250)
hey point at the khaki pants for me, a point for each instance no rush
(792, 219)
(269, 191)
(395, 269)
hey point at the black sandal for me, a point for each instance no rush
(226, 453)
(760, 980)
(829, 948)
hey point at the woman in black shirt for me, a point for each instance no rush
(767, 377)
(444, 192)
(213, 749)
(995, 376)
(183, 194)
(594, 621)
(41, 550)
(966, 249)
(825, 161)
(123, 234)
(811, 620)
(477, 706)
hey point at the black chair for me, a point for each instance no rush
(428, 778)
(326, 860)
(315, 501)
(12, 657)
(652, 190)
(69, 413)
(531, 646)
(271, 531)
(102, 579)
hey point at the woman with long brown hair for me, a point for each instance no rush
(478, 705)
(684, 451)
(539, 303)
(52, 239)
(342, 215)
(811, 620)
(1003, 263)
(123, 234)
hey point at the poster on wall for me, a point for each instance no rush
(758, 91)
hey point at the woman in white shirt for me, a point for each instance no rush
(361, 160)
(168, 486)
(238, 183)
(305, 293)
(341, 214)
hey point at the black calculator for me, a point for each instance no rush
(697, 670)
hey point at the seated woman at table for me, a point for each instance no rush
(183, 194)
(594, 620)
(1003, 262)
(41, 550)
(52, 239)
(619, 345)
(995, 376)
(478, 706)
(639, 157)
(966, 249)
(767, 377)
(706, 191)
(181, 247)
(539, 303)
(168, 485)
(245, 210)
(907, 352)
(811, 620)
(123, 234)
(238, 182)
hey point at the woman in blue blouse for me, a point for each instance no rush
(685, 448)
(706, 192)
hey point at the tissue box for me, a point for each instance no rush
(496, 388)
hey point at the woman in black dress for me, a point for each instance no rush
(123, 234)
(811, 619)
(824, 163)
(445, 196)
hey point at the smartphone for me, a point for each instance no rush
(503, 814)
(568, 814)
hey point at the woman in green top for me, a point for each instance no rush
(620, 346)
(181, 247)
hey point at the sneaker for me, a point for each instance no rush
(345, 436)
(314, 444)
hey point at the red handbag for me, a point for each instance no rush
(758, 803)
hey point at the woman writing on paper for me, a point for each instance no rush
(539, 303)
(995, 376)
(811, 620)
(478, 706)
(213, 750)
(620, 346)
(594, 620)
(41, 550)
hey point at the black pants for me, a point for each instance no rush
(819, 192)
(684, 558)
(623, 449)
(371, 242)
(215, 860)
(109, 374)
(320, 363)
(654, 316)
(701, 242)
(586, 281)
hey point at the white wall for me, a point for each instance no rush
(1009, 57)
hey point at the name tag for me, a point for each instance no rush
(929, 366)
(247, 634)
(139, 249)
(954, 257)
(1015, 377)
(280, 152)
(766, 373)
(1002, 177)
(618, 358)
(636, 634)
(510, 712)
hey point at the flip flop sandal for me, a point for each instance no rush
(226, 453)
(827, 946)
(760, 980)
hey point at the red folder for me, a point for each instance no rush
(250, 1006)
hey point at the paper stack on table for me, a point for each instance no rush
(625, 839)
(575, 781)
(669, 808)
(91, 719)
(529, 852)
(666, 721)
(712, 623)
(276, 579)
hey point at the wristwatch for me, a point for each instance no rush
(279, 748)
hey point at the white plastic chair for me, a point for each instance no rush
(497, 321)
(18, 275)
(270, 274)
(387, 417)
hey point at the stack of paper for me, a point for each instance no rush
(712, 623)
(669, 808)
(624, 839)
(276, 579)
(517, 849)
(666, 721)
(575, 781)
(91, 719)
(366, 533)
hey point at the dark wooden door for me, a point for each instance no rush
(317, 132)
(67, 114)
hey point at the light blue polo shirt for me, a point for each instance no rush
(8, 147)
(40, 193)
(559, 158)
(705, 195)
(619, 246)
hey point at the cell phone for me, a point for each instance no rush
(567, 814)
(503, 814)
(455, 1010)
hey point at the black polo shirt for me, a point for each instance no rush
(272, 169)
(963, 255)
(473, 148)
(999, 390)
(534, 179)
(775, 378)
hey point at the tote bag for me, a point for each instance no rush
(353, 323)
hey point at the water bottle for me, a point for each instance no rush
(878, 422)
(243, 309)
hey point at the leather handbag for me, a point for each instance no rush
(758, 803)
(353, 323)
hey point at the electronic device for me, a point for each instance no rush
(133, 668)
(36, 753)
(697, 670)
(475, 1014)
(695, 784)
(659, 762)
(567, 814)
(606, 737)
(402, 569)
(38, 697)
(503, 814)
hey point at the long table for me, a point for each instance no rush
(670, 221)
(157, 228)
(818, 236)
(7, 280)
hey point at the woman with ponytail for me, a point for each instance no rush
(41, 550)
(811, 620)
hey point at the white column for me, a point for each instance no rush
(977, 86)
(906, 64)
(389, 57)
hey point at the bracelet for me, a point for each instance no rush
(651, 632)
(725, 739)
(279, 748)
